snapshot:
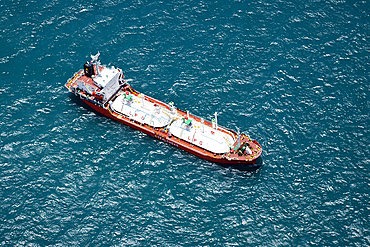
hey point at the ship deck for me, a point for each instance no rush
(141, 110)
(169, 124)
(137, 108)
(202, 135)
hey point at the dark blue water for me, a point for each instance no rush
(292, 74)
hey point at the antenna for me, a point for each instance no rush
(95, 59)
(216, 120)
(238, 131)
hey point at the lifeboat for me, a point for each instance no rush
(106, 91)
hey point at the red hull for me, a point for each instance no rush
(171, 140)
(232, 158)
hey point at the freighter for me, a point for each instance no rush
(106, 91)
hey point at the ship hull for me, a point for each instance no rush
(105, 91)
(236, 164)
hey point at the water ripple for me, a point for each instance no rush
(293, 75)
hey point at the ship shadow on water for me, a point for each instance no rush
(244, 167)
(240, 167)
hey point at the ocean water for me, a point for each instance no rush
(294, 75)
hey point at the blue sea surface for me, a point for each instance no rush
(294, 75)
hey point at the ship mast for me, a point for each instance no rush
(95, 59)
(216, 120)
(238, 131)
